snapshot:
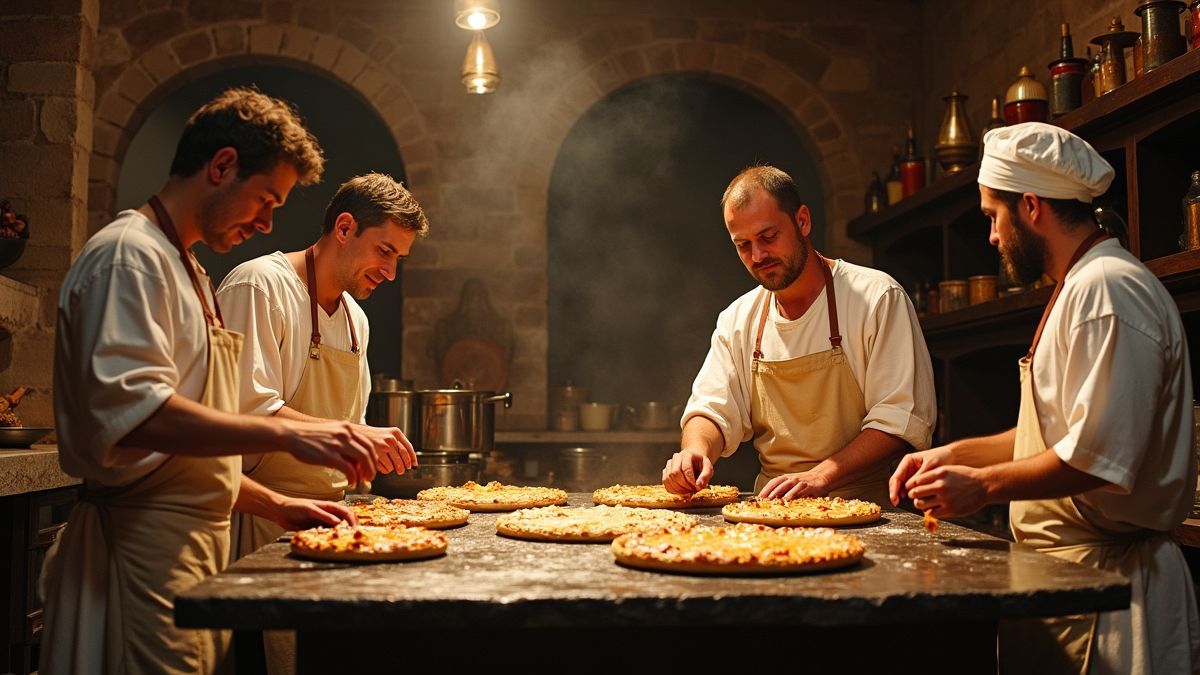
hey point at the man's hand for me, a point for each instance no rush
(792, 485)
(338, 445)
(948, 491)
(912, 464)
(297, 514)
(687, 473)
(394, 452)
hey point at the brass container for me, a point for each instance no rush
(956, 146)
(1191, 213)
(952, 295)
(1112, 56)
(1026, 100)
(981, 288)
(1066, 77)
(1161, 39)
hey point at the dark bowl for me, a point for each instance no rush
(22, 437)
(10, 251)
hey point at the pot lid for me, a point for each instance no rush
(1117, 35)
(1026, 88)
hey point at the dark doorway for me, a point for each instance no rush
(355, 140)
(640, 263)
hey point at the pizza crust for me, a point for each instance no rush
(657, 497)
(725, 570)
(803, 512)
(410, 513)
(346, 543)
(360, 556)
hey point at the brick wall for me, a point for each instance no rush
(46, 96)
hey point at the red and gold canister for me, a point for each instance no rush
(1026, 100)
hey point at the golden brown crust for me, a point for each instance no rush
(494, 496)
(739, 549)
(587, 524)
(368, 543)
(410, 513)
(657, 497)
(803, 511)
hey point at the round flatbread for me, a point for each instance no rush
(409, 513)
(657, 497)
(803, 512)
(587, 524)
(739, 549)
(494, 496)
(344, 543)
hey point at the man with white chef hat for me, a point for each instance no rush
(1100, 466)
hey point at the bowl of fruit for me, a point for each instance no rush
(14, 232)
(13, 432)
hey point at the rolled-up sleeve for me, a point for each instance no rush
(249, 310)
(898, 390)
(1106, 434)
(720, 391)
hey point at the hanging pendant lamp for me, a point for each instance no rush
(480, 74)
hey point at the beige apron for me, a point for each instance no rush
(1152, 636)
(330, 388)
(804, 409)
(127, 551)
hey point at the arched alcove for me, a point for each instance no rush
(639, 261)
(355, 140)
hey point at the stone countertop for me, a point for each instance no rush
(31, 470)
(908, 575)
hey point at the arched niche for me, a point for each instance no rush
(639, 261)
(355, 141)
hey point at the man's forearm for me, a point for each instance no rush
(984, 450)
(256, 499)
(1043, 476)
(182, 426)
(702, 435)
(859, 457)
(286, 412)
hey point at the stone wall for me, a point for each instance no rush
(842, 73)
(980, 46)
(46, 97)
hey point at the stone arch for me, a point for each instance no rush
(794, 97)
(155, 73)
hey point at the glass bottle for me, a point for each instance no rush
(895, 189)
(1191, 212)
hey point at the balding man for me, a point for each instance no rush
(1100, 466)
(824, 366)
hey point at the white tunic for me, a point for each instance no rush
(1114, 389)
(882, 341)
(129, 336)
(265, 299)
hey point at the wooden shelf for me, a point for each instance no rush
(617, 437)
(978, 316)
(1158, 88)
(916, 206)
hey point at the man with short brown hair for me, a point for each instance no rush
(824, 367)
(146, 401)
(305, 353)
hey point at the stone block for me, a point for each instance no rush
(280, 11)
(154, 28)
(847, 74)
(632, 63)
(37, 170)
(661, 58)
(160, 63)
(696, 56)
(349, 64)
(118, 12)
(797, 53)
(46, 78)
(60, 38)
(606, 75)
(207, 11)
(105, 138)
(298, 43)
(229, 39)
(59, 119)
(135, 84)
(370, 82)
(673, 27)
(193, 47)
(316, 17)
(115, 108)
(266, 39)
(723, 32)
(17, 121)
(111, 48)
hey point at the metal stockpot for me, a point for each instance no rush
(395, 409)
(434, 469)
(655, 415)
(459, 420)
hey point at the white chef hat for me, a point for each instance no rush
(1045, 160)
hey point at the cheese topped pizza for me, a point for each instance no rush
(494, 496)
(367, 543)
(410, 512)
(657, 496)
(803, 511)
(743, 548)
(600, 523)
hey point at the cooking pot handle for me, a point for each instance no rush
(506, 397)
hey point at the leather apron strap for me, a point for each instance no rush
(314, 351)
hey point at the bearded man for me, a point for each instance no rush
(824, 367)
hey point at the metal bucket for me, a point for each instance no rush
(581, 469)
(433, 470)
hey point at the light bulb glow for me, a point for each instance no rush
(476, 14)
(477, 20)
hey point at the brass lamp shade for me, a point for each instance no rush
(476, 14)
(480, 74)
